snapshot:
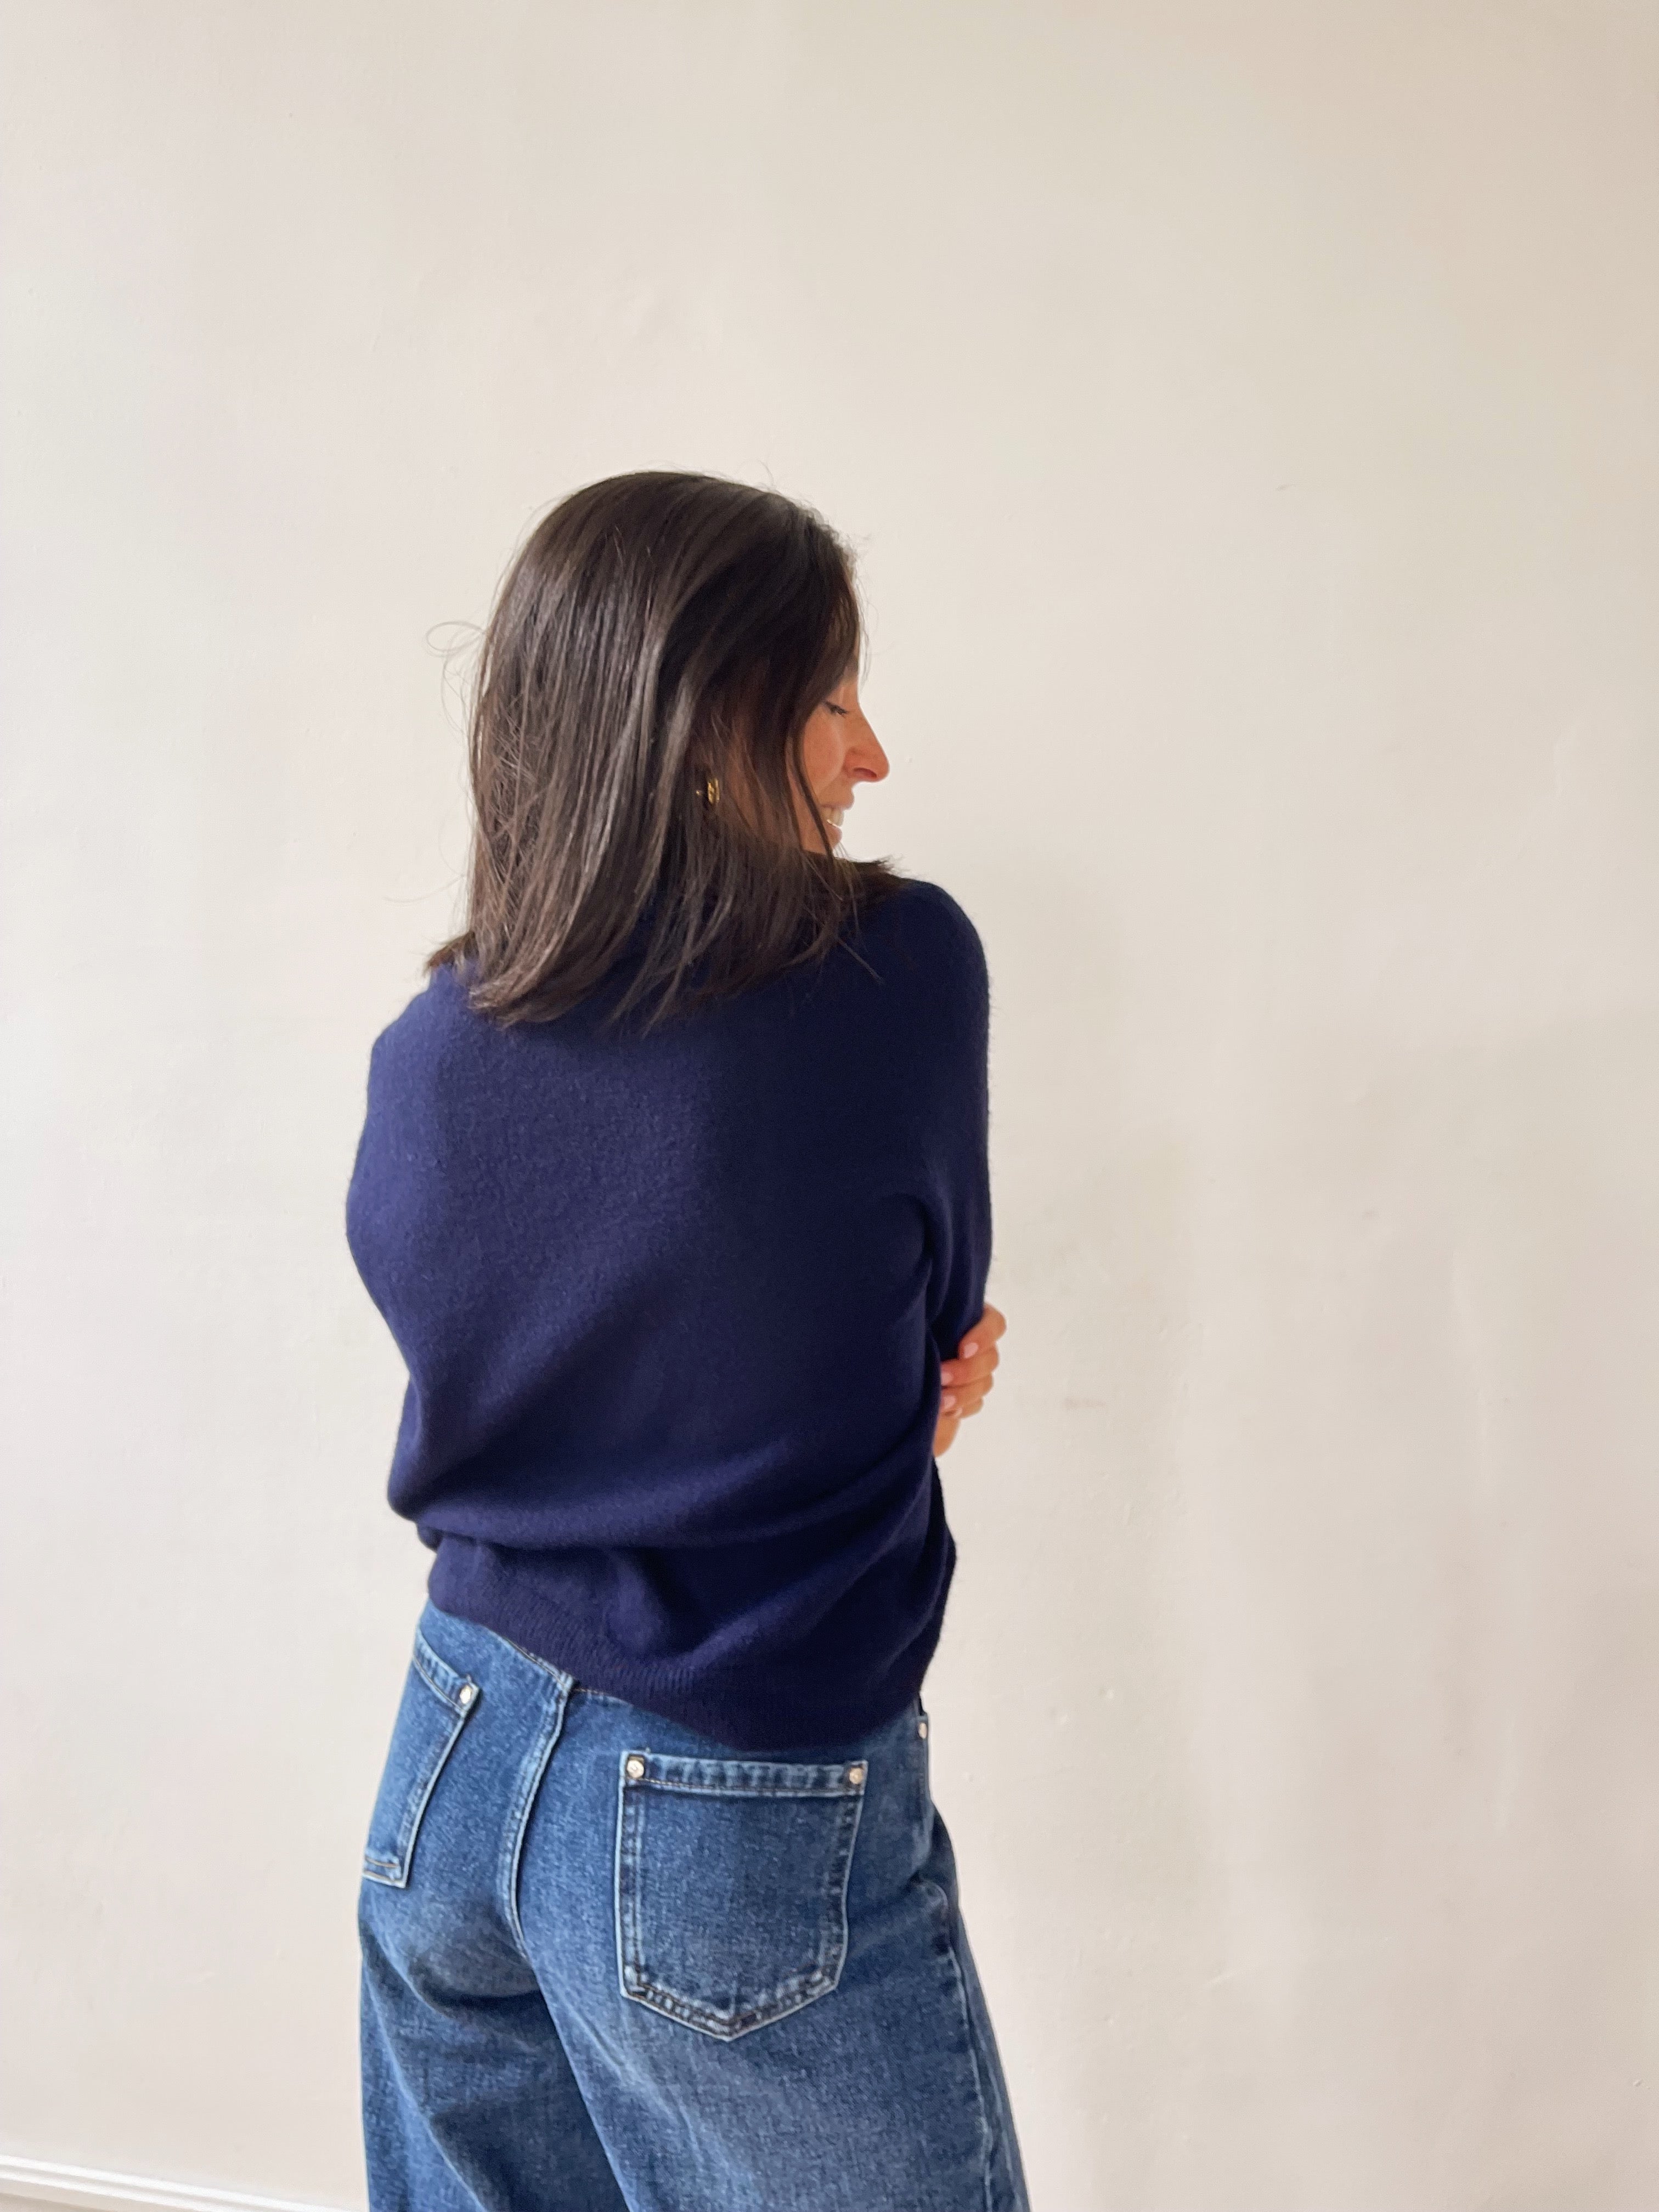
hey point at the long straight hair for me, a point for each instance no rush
(653, 656)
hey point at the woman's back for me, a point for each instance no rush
(673, 1305)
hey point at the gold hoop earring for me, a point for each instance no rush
(711, 790)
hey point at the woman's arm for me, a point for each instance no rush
(967, 1380)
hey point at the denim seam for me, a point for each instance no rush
(752, 1778)
(565, 1681)
(394, 1873)
(618, 1910)
(760, 1789)
(987, 2139)
(530, 1775)
(440, 1677)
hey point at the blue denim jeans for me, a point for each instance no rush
(610, 1965)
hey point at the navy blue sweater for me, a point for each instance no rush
(672, 1307)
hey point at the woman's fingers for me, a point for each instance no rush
(970, 1391)
(965, 1380)
(970, 1370)
(969, 1377)
(977, 1351)
(986, 1330)
(961, 1402)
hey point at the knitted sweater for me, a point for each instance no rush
(672, 1307)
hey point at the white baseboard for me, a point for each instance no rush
(51, 2188)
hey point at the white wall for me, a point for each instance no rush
(1246, 412)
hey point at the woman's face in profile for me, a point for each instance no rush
(839, 749)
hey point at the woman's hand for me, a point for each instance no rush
(965, 1381)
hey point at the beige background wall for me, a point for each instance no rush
(1246, 413)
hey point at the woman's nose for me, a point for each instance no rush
(868, 755)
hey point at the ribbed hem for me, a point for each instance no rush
(755, 1708)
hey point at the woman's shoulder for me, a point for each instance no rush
(916, 940)
(436, 1024)
(926, 928)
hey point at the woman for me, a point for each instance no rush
(673, 1192)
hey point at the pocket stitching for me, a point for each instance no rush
(394, 1873)
(440, 1677)
(788, 1997)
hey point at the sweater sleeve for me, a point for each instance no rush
(954, 1033)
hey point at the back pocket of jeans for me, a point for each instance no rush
(732, 1886)
(437, 1702)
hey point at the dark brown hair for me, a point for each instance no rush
(656, 630)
